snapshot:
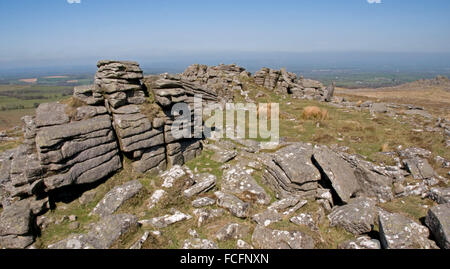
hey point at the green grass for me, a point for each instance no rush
(411, 206)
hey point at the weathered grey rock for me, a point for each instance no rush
(15, 241)
(440, 195)
(374, 181)
(16, 219)
(102, 235)
(155, 198)
(306, 220)
(87, 197)
(203, 202)
(399, 232)
(288, 204)
(166, 220)
(337, 171)
(239, 181)
(230, 202)
(222, 80)
(174, 174)
(417, 189)
(290, 171)
(116, 198)
(438, 220)
(330, 92)
(197, 243)
(265, 238)
(419, 112)
(287, 83)
(232, 231)
(87, 95)
(411, 153)
(419, 168)
(49, 114)
(207, 215)
(362, 242)
(251, 146)
(241, 244)
(267, 217)
(151, 160)
(78, 153)
(357, 217)
(379, 108)
(203, 183)
(223, 155)
(138, 244)
(87, 112)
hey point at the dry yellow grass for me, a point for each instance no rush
(435, 99)
(314, 113)
(385, 147)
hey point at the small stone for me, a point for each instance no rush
(232, 231)
(363, 242)
(241, 244)
(203, 202)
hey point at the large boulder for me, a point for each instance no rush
(138, 124)
(438, 220)
(419, 168)
(16, 225)
(222, 79)
(102, 235)
(116, 198)
(290, 171)
(357, 217)
(337, 171)
(374, 181)
(399, 232)
(79, 152)
(265, 238)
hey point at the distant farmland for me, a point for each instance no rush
(19, 97)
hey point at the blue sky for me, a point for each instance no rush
(54, 30)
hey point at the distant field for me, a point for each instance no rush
(20, 96)
(434, 98)
(11, 118)
(357, 80)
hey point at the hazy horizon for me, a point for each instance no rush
(72, 35)
(435, 63)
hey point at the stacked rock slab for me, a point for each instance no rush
(140, 137)
(173, 93)
(285, 82)
(223, 79)
(290, 171)
(64, 145)
(75, 151)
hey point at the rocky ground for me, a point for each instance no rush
(370, 175)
